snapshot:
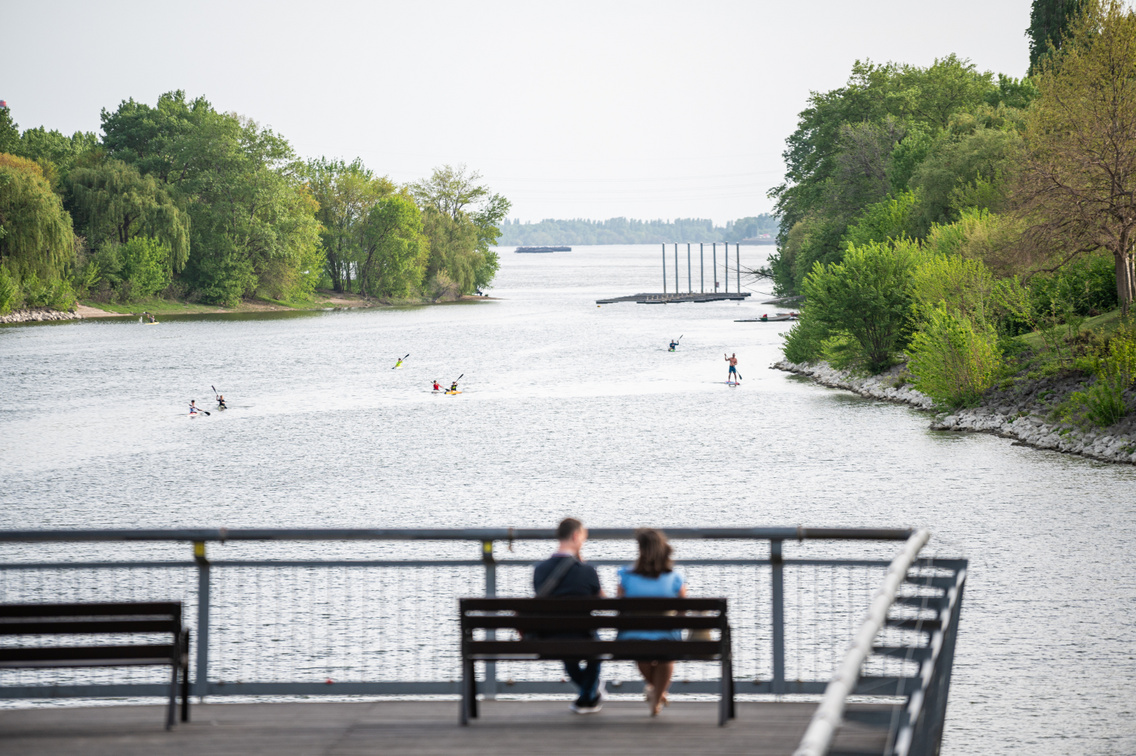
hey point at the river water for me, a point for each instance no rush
(569, 408)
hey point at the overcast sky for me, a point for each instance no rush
(570, 109)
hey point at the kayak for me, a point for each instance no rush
(451, 393)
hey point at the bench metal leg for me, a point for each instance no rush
(468, 692)
(185, 679)
(172, 707)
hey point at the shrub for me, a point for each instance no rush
(954, 357)
(145, 267)
(867, 297)
(1104, 403)
(804, 343)
(9, 292)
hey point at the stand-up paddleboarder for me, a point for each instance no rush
(733, 374)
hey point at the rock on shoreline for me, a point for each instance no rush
(38, 315)
(1019, 414)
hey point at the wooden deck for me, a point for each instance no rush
(677, 298)
(422, 728)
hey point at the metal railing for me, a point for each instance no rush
(285, 612)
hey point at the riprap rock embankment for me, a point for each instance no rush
(37, 315)
(1021, 412)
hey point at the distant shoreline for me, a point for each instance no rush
(331, 301)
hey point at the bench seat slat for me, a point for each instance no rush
(568, 604)
(591, 622)
(561, 647)
(39, 626)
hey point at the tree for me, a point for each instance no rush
(395, 248)
(36, 238)
(54, 152)
(346, 193)
(1049, 23)
(1077, 188)
(461, 219)
(9, 132)
(113, 203)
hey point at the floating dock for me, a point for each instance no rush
(732, 296)
(769, 319)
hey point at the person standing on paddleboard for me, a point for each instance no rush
(733, 374)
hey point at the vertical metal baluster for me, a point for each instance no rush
(490, 592)
(201, 674)
(778, 578)
(664, 268)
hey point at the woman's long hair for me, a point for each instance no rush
(654, 553)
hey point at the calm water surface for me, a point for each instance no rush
(569, 408)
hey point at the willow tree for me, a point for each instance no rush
(35, 231)
(1077, 186)
(113, 202)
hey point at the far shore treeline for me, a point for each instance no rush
(932, 216)
(181, 201)
(759, 229)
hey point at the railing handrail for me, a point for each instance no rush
(822, 728)
(444, 534)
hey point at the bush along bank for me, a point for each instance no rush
(1028, 410)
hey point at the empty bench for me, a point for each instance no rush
(49, 623)
(537, 620)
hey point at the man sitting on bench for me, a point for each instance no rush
(563, 574)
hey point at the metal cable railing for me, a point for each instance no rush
(281, 612)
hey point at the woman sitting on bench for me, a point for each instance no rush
(652, 576)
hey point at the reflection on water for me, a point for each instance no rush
(569, 408)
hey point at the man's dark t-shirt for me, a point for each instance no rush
(581, 580)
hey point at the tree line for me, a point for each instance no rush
(936, 213)
(631, 231)
(180, 200)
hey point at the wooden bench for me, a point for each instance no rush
(536, 620)
(119, 619)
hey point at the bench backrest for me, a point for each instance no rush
(576, 614)
(95, 618)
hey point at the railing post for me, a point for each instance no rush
(738, 264)
(689, 280)
(676, 270)
(702, 267)
(664, 268)
(201, 675)
(714, 267)
(490, 592)
(778, 615)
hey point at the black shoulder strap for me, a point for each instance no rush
(552, 582)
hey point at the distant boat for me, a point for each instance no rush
(544, 249)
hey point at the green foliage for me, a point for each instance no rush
(1086, 286)
(54, 152)
(113, 203)
(37, 238)
(395, 248)
(963, 286)
(804, 343)
(954, 357)
(1104, 402)
(882, 221)
(461, 219)
(867, 298)
(145, 267)
(9, 132)
(9, 292)
(1049, 24)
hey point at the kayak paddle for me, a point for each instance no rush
(407, 355)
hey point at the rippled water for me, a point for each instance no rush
(569, 408)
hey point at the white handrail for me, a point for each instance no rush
(822, 728)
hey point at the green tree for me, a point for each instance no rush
(36, 238)
(346, 193)
(462, 220)
(145, 267)
(395, 248)
(54, 152)
(9, 132)
(867, 298)
(112, 202)
(1078, 185)
(1049, 23)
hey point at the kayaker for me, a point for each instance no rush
(399, 363)
(454, 387)
(733, 360)
(193, 406)
(221, 401)
(673, 344)
(437, 386)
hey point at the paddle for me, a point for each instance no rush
(201, 410)
(396, 365)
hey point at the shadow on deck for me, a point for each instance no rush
(424, 728)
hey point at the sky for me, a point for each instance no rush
(569, 109)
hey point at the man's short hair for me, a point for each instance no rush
(567, 528)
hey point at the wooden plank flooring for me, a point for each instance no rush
(419, 728)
